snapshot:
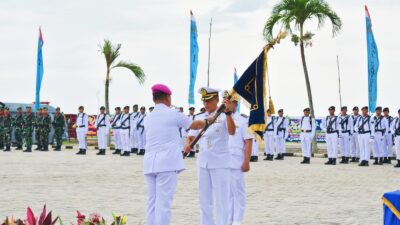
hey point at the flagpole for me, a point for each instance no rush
(340, 89)
(209, 53)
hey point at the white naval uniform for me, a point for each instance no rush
(366, 131)
(103, 129)
(237, 150)
(255, 148)
(124, 132)
(396, 132)
(345, 133)
(133, 138)
(388, 142)
(269, 135)
(381, 128)
(163, 161)
(140, 131)
(281, 134)
(307, 127)
(116, 126)
(82, 127)
(331, 126)
(214, 171)
(355, 147)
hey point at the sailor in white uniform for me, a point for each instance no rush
(345, 133)
(163, 160)
(255, 151)
(366, 131)
(103, 125)
(192, 116)
(381, 128)
(125, 132)
(116, 127)
(82, 128)
(140, 131)
(269, 136)
(240, 146)
(214, 160)
(355, 147)
(331, 127)
(307, 127)
(281, 134)
(396, 132)
(134, 135)
(389, 137)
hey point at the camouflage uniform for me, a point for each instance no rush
(18, 124)
(44, 130)
(29, 123)
(7, 130)
(38, 121)
(58, 124)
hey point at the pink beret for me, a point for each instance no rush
(161, 88)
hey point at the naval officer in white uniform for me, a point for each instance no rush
(214, 160)
(103, 125)
(307, 127)
(82, 128)
(240, 146)
(281, 132)
(163, 160)
(116, 126)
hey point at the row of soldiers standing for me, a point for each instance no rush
(24, 125)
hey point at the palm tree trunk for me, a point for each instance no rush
(308, 85)
(107, 86)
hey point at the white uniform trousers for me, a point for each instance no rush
(238, 196)
(141, 139)
(160, 193)
(306, 140)
(365, 142)
(280, 143)
(102, 137)
(397, 144)
(81, 136)
(379, 144)
(355, 147)
(332, 145)
(132, 139)
(344, 142)
(388, 146)
(269, 142)
(255, 150)
(214, 182)
(117, 139)
(125, 140)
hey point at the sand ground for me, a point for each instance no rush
(279, 192)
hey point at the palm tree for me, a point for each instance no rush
(111, 53)
(292, 15)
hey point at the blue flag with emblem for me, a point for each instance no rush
(194, 60)
(391, 208)
(373, 63)
(39, 70)
(235, 79)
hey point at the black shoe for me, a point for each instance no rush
(117, 152)
(27, 150)
(397, 165)
(134, 150)
(19, 148)
(333, 161)
(38, 148)
(45, 149)
(271, 158)
(191, 154)
(254, 159)
(83, 151)
(357, 159)
(381, 161)
(268, 157)
(353, 159)
(343, 160)
(265, 154)
(363, 163)
(306, 160)
(101, 152)
(282, 156)
(80, 151)
(389, 160)
(329, 161)
(141, 152)
(7, 148)
(376, 162)
(385, 160)
(126, 154)
(278, 157)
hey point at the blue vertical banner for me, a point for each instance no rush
(373, 64)
(235, 79)
(194, 59)
(39, 70)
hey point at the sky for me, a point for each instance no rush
(155, 34)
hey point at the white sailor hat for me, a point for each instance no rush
(208, 93)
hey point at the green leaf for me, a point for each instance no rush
(134, 68)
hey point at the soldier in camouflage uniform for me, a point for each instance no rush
(37, 129)
(1, 128)
(28, 126)
(7, 129)
(18, 125)
(45, 127)
(58, 125)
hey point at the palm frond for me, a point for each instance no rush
(110, 52)
(134, 68)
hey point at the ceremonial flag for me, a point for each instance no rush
(194, 60)
(39, 70)
(373, 63)
(235, 79)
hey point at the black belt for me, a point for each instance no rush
(382, 131)
(282, 129)
(346, 131)
(82, 126)
(306, 131)
(101, 125)
(332, 132)
(364, 132)
(269, 130)
(125, 128)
